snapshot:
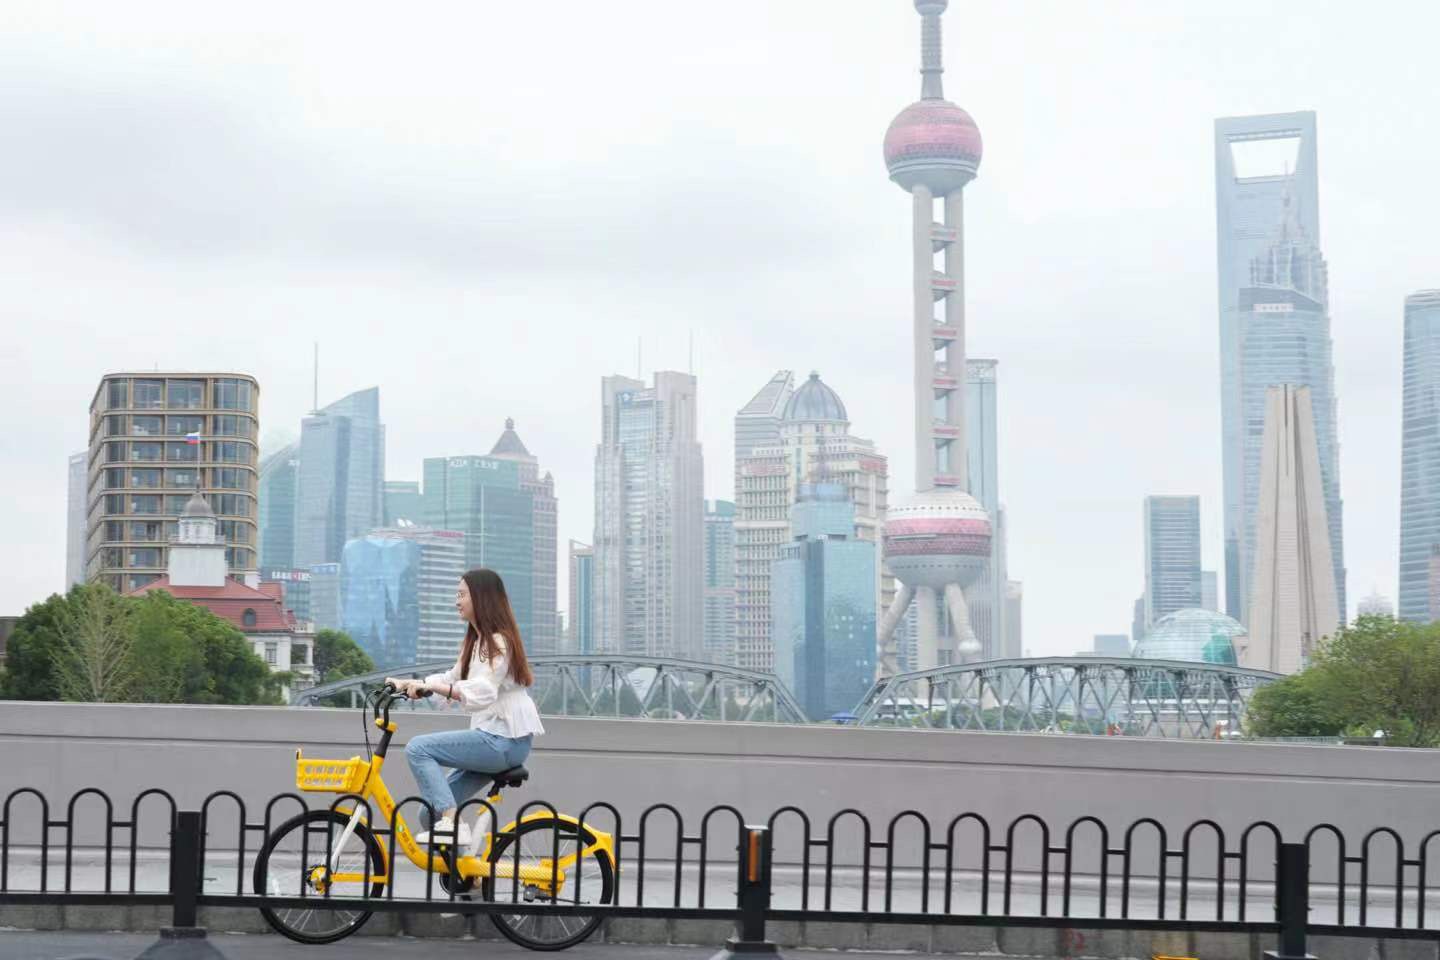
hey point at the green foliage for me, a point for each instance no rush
(92, 644)
(337, 657)
(1377, 674)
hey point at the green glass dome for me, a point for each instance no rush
(1198, 636)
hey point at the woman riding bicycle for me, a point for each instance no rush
(490, 680)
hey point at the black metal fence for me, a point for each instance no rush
(788, 866)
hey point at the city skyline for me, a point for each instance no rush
(1032, 214)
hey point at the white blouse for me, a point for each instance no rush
(496, 703)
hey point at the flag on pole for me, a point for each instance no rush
(192, 438)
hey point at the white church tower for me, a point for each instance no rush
(197, 554)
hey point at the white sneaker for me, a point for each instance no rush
(445, 833)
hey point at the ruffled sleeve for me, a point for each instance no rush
(435, 678)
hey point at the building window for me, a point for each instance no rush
(146, 426)
(180, 426)
(114, 478)
(145, 504)
(229, 451)
(300, 653)
(271, 652)
(229, 425)
(137, 580)
(232, 394)
(114, 503)
(143, 557)
(115, 451)
(182, 452)
(149, 395)
(114, 426)
(247, 619)
(180, 479)
(229, 478)
(234, 505)
(114, 530)
(118, 395)
(187, 394)
(144, 531)
(148, 477)
(146, 451)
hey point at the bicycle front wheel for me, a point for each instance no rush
(295, 863)
(589, 879)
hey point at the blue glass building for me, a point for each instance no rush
(342, 469)
(380, 597)
(1420, 459)
(483, 498)
(279, 493)
(822, 599)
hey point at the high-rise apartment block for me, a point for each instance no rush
(823, 600)
(154, 440)
(76, 517)
(580, 623)
(1420, 460)
(279, 495)
(719, 581)
(342, 469)
(1274, 319)
(815, 446)
(398, 594)
(649, 519)
(1293, 606)
(484, 498)
(1172, 556)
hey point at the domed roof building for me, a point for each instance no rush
(815, 401)
(1195, 636)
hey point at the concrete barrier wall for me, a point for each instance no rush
(192, 751)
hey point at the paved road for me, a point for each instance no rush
(126, 946)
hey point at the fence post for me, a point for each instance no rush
(752, 897)
(1292, 902)
(184, 939)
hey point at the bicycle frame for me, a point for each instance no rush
(471, 866)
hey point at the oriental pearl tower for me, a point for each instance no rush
(937, 542)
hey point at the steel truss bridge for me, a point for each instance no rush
(1078, 695)
(611, 686)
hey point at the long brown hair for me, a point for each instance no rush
(490, 606)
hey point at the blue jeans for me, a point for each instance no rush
(474, 757)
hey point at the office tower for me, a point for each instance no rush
(1375, 605)
(1172, 555)
(398, 594)
(342, 469)
(1293, 606)
(1137, 621)
(279, 493)
(1210, 590)
(294, 591)
(1285, 339)
(402, 503)
(719, 581)
(1274, 316)
(815, 445)
(1014, 638)
(938, 543)
(986, 596)
(325, 599)
(545, 623)
(485, 499)
(77, 495)
(1435, 582)
(581, 621)
(823, 600)
(757, 424)
(1111, 645)
(154, 439)
(1420, 458)
(649, 524)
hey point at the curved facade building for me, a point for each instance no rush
(155, 439)
(1193, 635)
(1420, 460)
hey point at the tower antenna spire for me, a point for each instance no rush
(931, 48)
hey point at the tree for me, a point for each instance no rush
(186, 654)
(337, 657)
(1376, 674)
(92, 655)
(29, 657)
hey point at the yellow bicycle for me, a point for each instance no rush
(337, 852)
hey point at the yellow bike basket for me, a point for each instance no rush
(331, 776)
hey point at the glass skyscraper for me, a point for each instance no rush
(986, 596)
(325, 600)
(823, 604)
(279, 491)
(719, 581)
(1284, 326)
(580, 627)
(402, 502)
(1420, 458)
(1172, 556)
(398, 594)
(342, 468)
(484, 498)
(1260, 161)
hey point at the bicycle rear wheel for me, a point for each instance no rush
(589, 880)
(293, 863)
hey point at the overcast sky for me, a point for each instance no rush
(482, 207)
